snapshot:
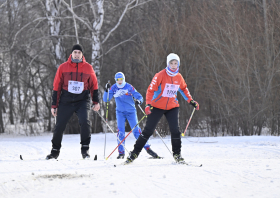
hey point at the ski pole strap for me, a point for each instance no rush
(183, 134)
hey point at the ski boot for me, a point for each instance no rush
(121, 156)
(178, 158)
(54, 154)
(84, 151)
(153, 154)
(132, 156)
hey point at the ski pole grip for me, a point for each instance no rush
(108, 83)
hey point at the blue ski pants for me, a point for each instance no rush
(132, 119)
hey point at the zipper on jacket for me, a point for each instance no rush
(71, 75)
(166, 104)
(82, 77)
(168, 98)
(77, 73)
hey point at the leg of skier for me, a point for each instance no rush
(64, 113)
(132, 119)
(172, 119)
(84, 122)
(151, 124)
(121, 117)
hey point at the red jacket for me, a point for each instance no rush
(81, 72)
(162, 92)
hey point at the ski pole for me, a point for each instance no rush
(55, 117)
(183, 134)
(126, 136)
(106, 116)
(156, 131)
(110, 128)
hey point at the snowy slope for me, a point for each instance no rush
(232, 167)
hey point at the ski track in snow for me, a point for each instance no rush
(232, 167)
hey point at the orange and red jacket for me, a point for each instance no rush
(155, 90)
(82, 72)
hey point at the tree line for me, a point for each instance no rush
(229, 53)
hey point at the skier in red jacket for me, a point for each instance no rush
(74, 84)
(161, 99)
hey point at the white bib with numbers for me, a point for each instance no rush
(120, 93)
(170, 90)
(75, 87)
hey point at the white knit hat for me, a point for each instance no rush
(172, 56)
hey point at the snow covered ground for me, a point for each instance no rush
(232, 167)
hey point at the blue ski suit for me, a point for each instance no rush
(125, 109)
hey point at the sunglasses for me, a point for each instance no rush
(117, 79)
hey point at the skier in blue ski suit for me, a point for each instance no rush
(125, 109)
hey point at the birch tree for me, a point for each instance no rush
(53, 14)
(97, 8)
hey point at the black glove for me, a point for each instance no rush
(138, 102)
(107, 86)
(193, 103)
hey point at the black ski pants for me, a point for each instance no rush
(64, 113)
(151, 123)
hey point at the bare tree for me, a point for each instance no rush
(53, 14)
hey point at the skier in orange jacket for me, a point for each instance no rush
(161, 99)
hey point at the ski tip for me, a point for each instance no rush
(155, 157)
(194, 165)
(95, 157)
(107, 158)
(183, 134)
(20, 157)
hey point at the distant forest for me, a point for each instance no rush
(229, 51)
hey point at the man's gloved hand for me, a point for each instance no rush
(107, 87)
(148, 109)
(95, 107)
(138, 102)
(194, 104)
(54, 112)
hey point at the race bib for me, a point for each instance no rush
(75, 87)
(120, 93)
(170, 90)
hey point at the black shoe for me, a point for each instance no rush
(132, 156)
(152, 153)
(121, 156)
(178, 158)
(54, 154)
(84, 151)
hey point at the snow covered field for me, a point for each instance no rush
(236, 167)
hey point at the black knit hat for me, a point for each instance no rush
(77, 47)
